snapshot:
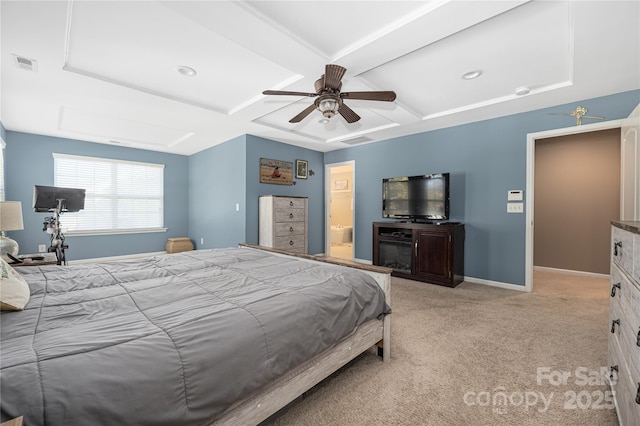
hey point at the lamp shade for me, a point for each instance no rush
(11, 216)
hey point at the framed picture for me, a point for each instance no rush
(276, 171)
(302, 169)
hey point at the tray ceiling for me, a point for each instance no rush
(108, 72)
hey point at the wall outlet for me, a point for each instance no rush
(201, 241)
(42, 248)
(515, 207)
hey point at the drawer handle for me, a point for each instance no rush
(290, 215)
(613, 289)
(290, 242)
(617, 245)
(613, 325)
(638, 340)
(612, 376)
(291, 203)
(291, 229)
(638, 395)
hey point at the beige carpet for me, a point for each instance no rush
(477, 355)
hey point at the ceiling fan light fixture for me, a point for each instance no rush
(329, 99)
(470, 75)
(328, 107)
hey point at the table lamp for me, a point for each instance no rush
(10, 220)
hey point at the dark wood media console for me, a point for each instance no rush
(432, 253)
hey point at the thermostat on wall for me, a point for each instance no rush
(514, 195)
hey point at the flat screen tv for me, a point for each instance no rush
(419, 198)
(45, 199)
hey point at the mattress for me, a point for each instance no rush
(172, 339)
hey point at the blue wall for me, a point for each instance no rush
(228, 174)
(29, 162)
(485, 159)
(217, 181)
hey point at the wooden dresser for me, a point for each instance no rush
(624, 321)
(284, 223)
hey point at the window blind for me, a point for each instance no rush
(121, 196)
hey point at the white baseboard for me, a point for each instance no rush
(490, 283)
(571, 272)
(471, 279)
(115, 258)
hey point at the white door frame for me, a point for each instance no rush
(327, 205)
(529, 190)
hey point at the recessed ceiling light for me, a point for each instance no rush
(522, 90)
(471, 74)
(186, 71)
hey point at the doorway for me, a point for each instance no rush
(577, 181)
(532, 139)
(339, 224)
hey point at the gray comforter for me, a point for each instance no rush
(173, 339)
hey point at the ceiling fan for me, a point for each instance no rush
(329, 99)
(579, 114)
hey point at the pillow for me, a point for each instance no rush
(14, 290)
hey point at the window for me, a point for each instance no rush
(121, 196)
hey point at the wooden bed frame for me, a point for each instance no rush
(271, 398)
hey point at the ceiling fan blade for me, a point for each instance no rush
(599, 117)
(348, 114)
(385, 96)
(298, 118)
(284, 92)
(333, 75)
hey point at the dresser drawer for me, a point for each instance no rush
(628, 408)
(615, 362)
(292, 203)
(289, 215)
(625, 293)
(622, 249)
(291, 228)
(619, 285)
(616, 322)
(629, 337)
(292, 243)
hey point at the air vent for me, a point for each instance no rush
(355, 141)
(26, 63)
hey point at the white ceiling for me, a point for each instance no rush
(106, 71)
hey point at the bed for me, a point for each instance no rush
(222, 336)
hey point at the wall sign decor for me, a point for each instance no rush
(276, 171)
(302, 167)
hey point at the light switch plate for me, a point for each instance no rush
(515, 207)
